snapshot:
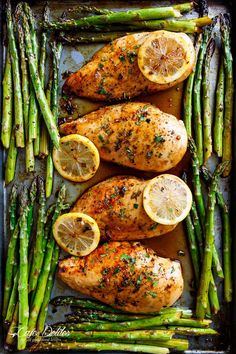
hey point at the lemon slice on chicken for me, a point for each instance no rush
(76, 233)
(77, 158)
(165, 57)
(167, 199)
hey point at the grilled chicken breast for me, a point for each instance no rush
(117, 206)
(127, 276)
(134, 134)
(113, 73)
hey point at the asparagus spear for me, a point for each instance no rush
(209, 241)
(18, 108)
(150, 335)
(7, 96)
(207, 117)
(10, 338)
(44, 140)
(219, 111)
(147, 323)
(191, 331)
(43, 277)
(40, 241)
(56, 51)
(11, 160)
(99, 315)
(47, 114)
(121, 17)
(229, 91)
(12, 300)
(45, 346)
(200, 202)
(193, 247)
(227, 239)
(29, 154)
(80, 9)
(23, 273)
(44, 307)
(9, 273)
(197, 106)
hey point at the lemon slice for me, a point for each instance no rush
(77, 158)
(76, 233)
(167, 199)
(165, 57)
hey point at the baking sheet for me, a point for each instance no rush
(169, 101)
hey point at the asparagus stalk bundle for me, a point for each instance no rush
(121, 17)
(18, 106)
(227, 239)
(36, 82)
(209, 241)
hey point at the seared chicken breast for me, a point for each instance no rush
(134, 134)
(117, 206)
(127, 276)
(113, 73)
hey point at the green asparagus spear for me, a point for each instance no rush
(209, 241)
(44, 140)
(197, 98)
(227, 239)
(219, 111)
(39, 247)
(191, 331)
(99, 315)
(42, 63)
(9, 273)
(193, 247)
(44, 307)
(12, 300)
(45, 346)
(23, 273)
(56, 51)
(81, 9)
(11, 160)
(200, 202)
(29, 154)
(207, 116)
(162, 335)
(229, 91)
(10, 338)
(119, 17)
(147, 323)
(7, 97)
(33, 67)
(43, 277)
(18, 107)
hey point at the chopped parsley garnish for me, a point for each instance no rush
(153, 226)
(122, 58)
(105, 271)
(102, 91)
(116, 270)
(100, 137)
(159, 139)
(130, 154)
(135, 206)
(100, 65)
(149, 154)
(131, 56)
(151, 293)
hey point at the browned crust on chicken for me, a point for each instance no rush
(127, 276)
(134, 134)
(117, 206)
(113, 73)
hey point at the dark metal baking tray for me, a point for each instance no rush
(72, 58)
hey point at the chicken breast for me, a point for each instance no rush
(134, 134)
(113, 73)
(127, 276)
(117, 206)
